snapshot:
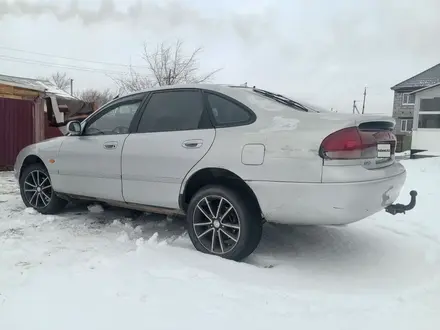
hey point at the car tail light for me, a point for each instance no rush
(352, 143)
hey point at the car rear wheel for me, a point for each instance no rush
(224, 223)
(37, 192)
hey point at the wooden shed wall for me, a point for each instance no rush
(12, 92)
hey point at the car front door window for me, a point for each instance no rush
(117, 120)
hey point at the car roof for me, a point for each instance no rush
(213, 87)
(227, 89)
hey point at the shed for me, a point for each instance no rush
(31, 110)
(426, 120)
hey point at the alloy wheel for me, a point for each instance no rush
(38, 189)
(216, 224)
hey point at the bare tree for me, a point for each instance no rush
(95, 96)
(133, 81)
(61, 80)
(166, 65)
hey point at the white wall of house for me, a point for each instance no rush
(426, 129)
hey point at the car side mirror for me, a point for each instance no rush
(74, 127)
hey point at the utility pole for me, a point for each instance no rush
(355, 109)
(365, 96)
(71, 87)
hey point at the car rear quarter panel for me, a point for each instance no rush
(291, 139)
(284, 158)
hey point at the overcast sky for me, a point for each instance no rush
(317, 50)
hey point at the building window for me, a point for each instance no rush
(406, 125)
(429, 113)
(408, 99)
(430, 105)
(429, 120)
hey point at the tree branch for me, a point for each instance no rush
(166, 65)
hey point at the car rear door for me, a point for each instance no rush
(173, 135)
(90, 164)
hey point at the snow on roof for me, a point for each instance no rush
(40, 85)
(425, 88)
(426, 78)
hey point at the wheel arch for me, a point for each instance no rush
(29, 160)
(214, 176)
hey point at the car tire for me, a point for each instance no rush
(223, 222)
(37, 192)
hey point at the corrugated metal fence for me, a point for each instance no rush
(16, 129)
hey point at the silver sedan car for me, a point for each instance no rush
(228, 157)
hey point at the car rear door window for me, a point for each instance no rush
(175, 110)
(226, 112)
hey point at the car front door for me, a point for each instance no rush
(174, 133)
(90, 164)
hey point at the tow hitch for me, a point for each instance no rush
(401, 208)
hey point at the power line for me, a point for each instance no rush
(63, 66)
(71, 58)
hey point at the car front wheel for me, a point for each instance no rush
(224, 223)
(37, 192)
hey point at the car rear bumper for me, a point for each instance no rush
(326, 203)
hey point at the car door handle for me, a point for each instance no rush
(110, 145)
(192, 144)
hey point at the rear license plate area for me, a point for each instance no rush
(383, 150)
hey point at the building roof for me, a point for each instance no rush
(39, 85)
(78, 108)
(423, 79)
(426, 88)
(75, 106)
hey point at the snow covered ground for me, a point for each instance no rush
(94, 269)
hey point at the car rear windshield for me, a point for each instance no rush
(287, 101)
